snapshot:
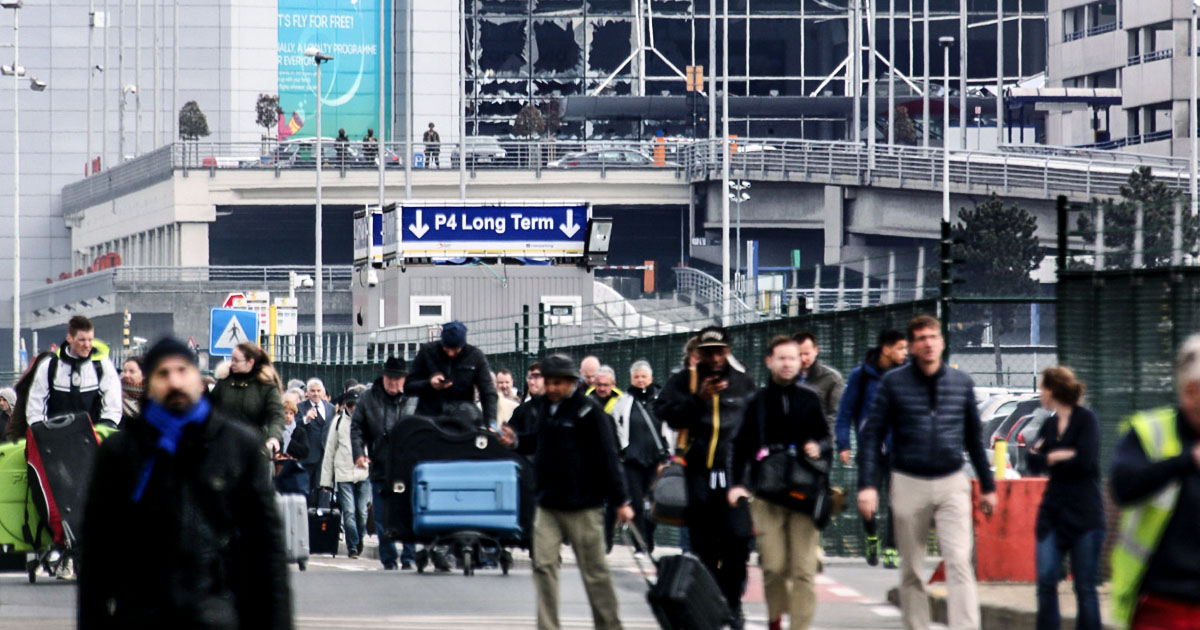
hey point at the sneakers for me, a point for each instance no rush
(65, 570)
(873, 550)
(891, 559)
(391, 566)
(353, 554)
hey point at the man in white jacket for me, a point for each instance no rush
(76, 380)
(354, 491)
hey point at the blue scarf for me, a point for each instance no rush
(170, 428)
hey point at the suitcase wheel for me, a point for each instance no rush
(505, 561)
(422, 560)
(303, 564)
(468, 563)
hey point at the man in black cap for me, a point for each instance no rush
(193, 487)
(379, 409)
(708, 402)
(576, 472)
(446, 374)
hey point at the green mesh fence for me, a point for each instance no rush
(1119, 331)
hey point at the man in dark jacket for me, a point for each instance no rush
(379, 409)
(576, 472)
(827, 381)
(641, 444)
(891, 353)
(192, 488)
(316, 414)
(784, 415)
(929, 410)
(446, 374)
(1156, 482)
(708, 401)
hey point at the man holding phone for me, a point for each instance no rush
(929, 409)
(708, 401)
(445, 375)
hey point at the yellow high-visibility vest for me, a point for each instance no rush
(1142, 525)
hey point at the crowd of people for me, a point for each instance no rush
(193, 468)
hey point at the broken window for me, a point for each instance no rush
(557, 47)
(503, 7)
(560, 7)
(549, 87)
(611, 44)
(503, 47)
(610, 7)
(672, 7)
(507, 89)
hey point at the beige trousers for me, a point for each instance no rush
(787, 551)
(944, 503)
(585, 531)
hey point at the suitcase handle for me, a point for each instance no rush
(62, 420)
(422, 496)
(631, 534)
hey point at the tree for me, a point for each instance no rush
(999, 250)
(529, 122)
(267, 112)
(193, 125)
(1120, 222)
(905, 131)
(551, 112)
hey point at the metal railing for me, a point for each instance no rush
(186, 278)
(707, 292)
(1061, 169)
(1165, 53)
(1101, 29)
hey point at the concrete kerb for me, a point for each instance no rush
(1009, 606)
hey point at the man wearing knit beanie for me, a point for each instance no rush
(445, 375)
(183, 480)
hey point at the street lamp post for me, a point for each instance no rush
(1192, 109)
(319, 289)
(737, 194)
(16, 72)
(946, 42)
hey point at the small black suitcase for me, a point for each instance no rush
(685, 596)
(324, 530)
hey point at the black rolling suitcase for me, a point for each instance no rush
(685, 596)
(324, 525)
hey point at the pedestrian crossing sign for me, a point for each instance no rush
(229, 327)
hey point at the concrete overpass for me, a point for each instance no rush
(832, 200)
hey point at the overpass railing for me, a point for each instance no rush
(1054, 170)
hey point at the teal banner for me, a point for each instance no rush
(347, 30)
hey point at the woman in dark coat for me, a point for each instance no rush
(290, 476)
(251, 393)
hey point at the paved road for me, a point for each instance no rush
(337, 593)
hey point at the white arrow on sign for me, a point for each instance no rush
(418, 228)
(570, 227)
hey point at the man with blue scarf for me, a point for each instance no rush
(194, 487)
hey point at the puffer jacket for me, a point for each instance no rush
(932, 420)
(207, 516)
(375, 415)
(252, 398)
(856, 398)
(467, 372)
(338, 466)
(709, 434)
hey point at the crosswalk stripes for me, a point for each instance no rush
(458, 622)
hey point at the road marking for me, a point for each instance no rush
(886, 611)
(441, 622)
(341, 567)
(845, 591)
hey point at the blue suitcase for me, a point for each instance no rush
(455, 496)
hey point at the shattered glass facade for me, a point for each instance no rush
(534, 51)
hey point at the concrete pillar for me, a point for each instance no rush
(833, 217)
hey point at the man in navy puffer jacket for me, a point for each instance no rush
(929, 410)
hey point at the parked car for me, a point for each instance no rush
(1024, 438)
(1000, 405)
(1000, 425)
(300, 154)
(479, 150)
(607, 158)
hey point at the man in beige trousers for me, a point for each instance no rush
(929, 410)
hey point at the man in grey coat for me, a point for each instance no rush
(827, 381)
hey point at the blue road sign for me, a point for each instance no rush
(449, 229)
(230, 326)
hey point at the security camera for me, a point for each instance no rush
(37, 85)
(306, 282)
(98, 68)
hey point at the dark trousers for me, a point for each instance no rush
(721, 538)
(871, 527)
(638, 480)
(387, 548)
(1085, 570)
